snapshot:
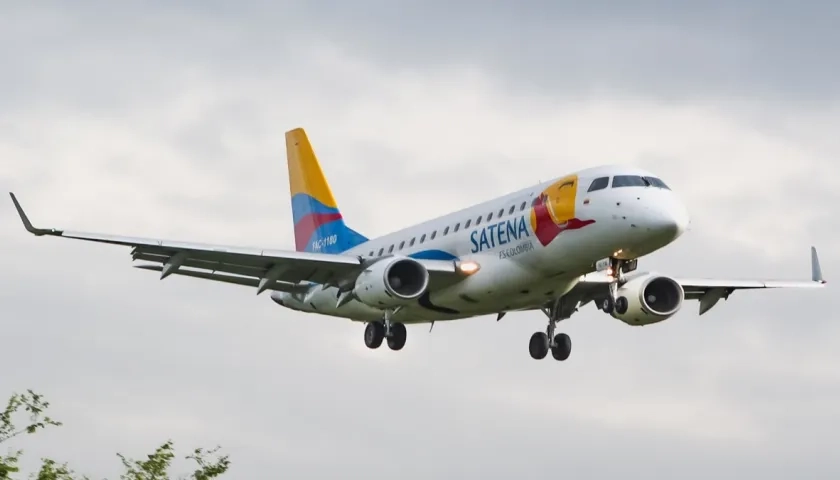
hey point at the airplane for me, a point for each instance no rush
(554, 247)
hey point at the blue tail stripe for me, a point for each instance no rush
(303, 205)
(354, 238)
(334, 237)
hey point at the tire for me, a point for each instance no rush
(374, 333)
(621, 305)
(562, 347)
(607, 305)
(398, 336)
(538, 346)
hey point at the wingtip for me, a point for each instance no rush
(23, 218)
(816, 269)
(27, 224)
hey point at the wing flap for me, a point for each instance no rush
(292, 269)
(237, 280)
(698, 284)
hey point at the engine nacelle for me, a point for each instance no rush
(647, 299)
(391, 282)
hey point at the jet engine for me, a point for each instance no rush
(647, 299)
(391, 282)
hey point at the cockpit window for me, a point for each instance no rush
(657, 182)
(637, 181)
(629, 181)
(599, 184)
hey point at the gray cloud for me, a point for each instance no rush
(748, 50)
(162, 120)
(662, 49)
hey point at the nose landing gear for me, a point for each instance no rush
(617, 269)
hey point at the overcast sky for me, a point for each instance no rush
(152, 119)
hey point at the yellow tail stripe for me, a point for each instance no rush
(305, 174)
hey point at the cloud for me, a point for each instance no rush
(167, 121)
(655, 49)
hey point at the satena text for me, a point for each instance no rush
(497, 234)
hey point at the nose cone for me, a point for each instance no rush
(668, 221)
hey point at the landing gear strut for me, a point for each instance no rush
(614, 303)
(560, 345)
(385, 329)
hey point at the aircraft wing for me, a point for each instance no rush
(707, 291)
(262, 269)
(710, 291)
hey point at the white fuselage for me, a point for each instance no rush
(516, 270)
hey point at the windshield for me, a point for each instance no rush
(637, 181)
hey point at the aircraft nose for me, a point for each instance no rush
(669, 220)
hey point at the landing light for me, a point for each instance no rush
(468, 267)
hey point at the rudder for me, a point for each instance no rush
(318, 223)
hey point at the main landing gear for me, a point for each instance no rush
(559, 345)
(614, 303)
(385, 329)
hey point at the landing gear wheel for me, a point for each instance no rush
(398, 335)
(607, 305)
(562, 347)
(538, 346)
(374, 333)
(621, 305)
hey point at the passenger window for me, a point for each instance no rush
(629, 181)
(446, 230)
(522, 207)
(478, 222)
(411, 243)
(370, 254)
(381, 251)
(467, 225)
(490, 216)
(599, 184)
(501, 212)
(457, 226)
(402, 244)
(433, 235)
(512, 208)
(390, 249)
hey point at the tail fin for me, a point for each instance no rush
(319, 226)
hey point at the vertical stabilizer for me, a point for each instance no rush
(319, 225)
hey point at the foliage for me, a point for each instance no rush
(155, 467)
(33, 404)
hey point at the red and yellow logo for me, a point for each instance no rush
(553, 211)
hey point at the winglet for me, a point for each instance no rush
(28, 225)
(816, 271)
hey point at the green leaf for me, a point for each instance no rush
(210, 465)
